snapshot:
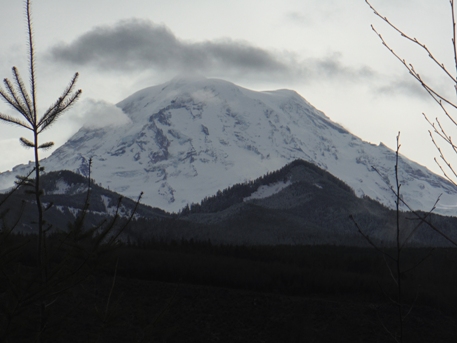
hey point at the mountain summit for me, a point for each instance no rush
(190, 137)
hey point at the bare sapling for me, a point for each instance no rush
(445, 103)
(394, 261)
(438, 127)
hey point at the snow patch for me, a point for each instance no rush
(268, 190)
(61, 187)
(74, 211)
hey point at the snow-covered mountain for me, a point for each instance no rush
(190, 137)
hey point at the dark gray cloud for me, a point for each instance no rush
(405, 85)
(139, 45)
(331, 67)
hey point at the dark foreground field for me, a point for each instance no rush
(196, 292)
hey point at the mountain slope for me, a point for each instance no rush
(64, 196)
(189, 138)
(298, 204)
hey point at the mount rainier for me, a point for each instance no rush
(190, 137)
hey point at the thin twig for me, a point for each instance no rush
(414, 40)
(433, 227)
(111, 290)
(369, 240)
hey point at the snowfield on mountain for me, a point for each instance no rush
(190, 137)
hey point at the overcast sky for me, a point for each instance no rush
(325, 50)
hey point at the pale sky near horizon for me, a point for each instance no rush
(325, 50)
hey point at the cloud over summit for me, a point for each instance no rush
(137, 45)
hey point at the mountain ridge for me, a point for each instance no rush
(190, 137)
(299, 204)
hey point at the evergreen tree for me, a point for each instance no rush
(24, 102)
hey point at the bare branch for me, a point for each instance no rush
(440, 99)
(394, 337)
(435, 95)
(420, 262)
(444, 160)
(433, 227)
(412, 306)
(394, 279)
(367, 238)
(454, 37)
(418, 225)
(132, 213)
(414, 40)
